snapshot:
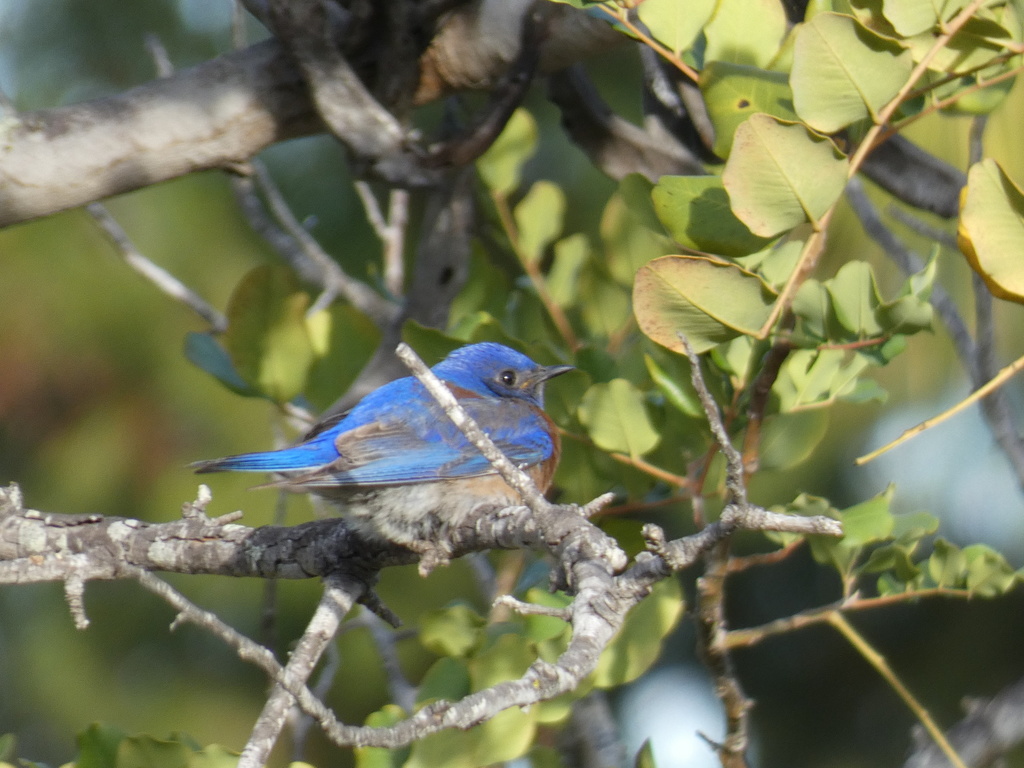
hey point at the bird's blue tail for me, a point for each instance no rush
(299, 457)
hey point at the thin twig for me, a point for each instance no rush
(302, 721)
(155, 46)
(158, 276)
(246, 649)
(733, 460)
(875, 659)
(390, 231)
(403, 693)
(339, 596)
(308, 258)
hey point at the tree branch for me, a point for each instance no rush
(225, 111)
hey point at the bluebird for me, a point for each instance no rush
(397, 465)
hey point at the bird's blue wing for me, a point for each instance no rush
(398, 435)
(427, 446)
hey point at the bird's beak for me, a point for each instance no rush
(543, 374)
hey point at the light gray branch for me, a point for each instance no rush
(157, 275)
(225, 111)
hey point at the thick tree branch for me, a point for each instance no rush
(214, 115)
(225, 111)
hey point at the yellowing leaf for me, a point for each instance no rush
(991, 229)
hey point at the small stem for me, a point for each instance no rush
(621, 15)
(532, 270)
(875, 659)
(875, 134)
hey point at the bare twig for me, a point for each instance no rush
(301, 250)
(533, 609)
(403, 693)
(338, 598)
(733, 460)
(391, 232)
(155, 46)
(158, 276)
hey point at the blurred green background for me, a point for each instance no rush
(101, 412)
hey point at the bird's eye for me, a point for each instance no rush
(508, 378)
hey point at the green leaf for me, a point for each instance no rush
(894, 558)
(745, 32)
(217, 756)
(203, 351)
(947, 565)
(696, 212)
(678, 390)
(788, 440)
(540, 627)
(616, 418)
(509, 734)
(539, 218)
(501, 165)
(267, 336)
(911, 17)
(673, 27)
(775, 264)
(988, 573)
(869, 521)
(638, 644)
(605, 303)
(855, 298)
(780, 175)
(453, 631)
(447, 679)
(991, 229)
(635, 190)
(709, 301)
(97, 746)
(842, 72)
(909, 529)
(645, 757)
(571, 255)
(733, 92)
(627, 242)
(379, 757)
(147, 752)
(814, 377)
(975, 45)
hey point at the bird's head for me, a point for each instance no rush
(494, 369)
